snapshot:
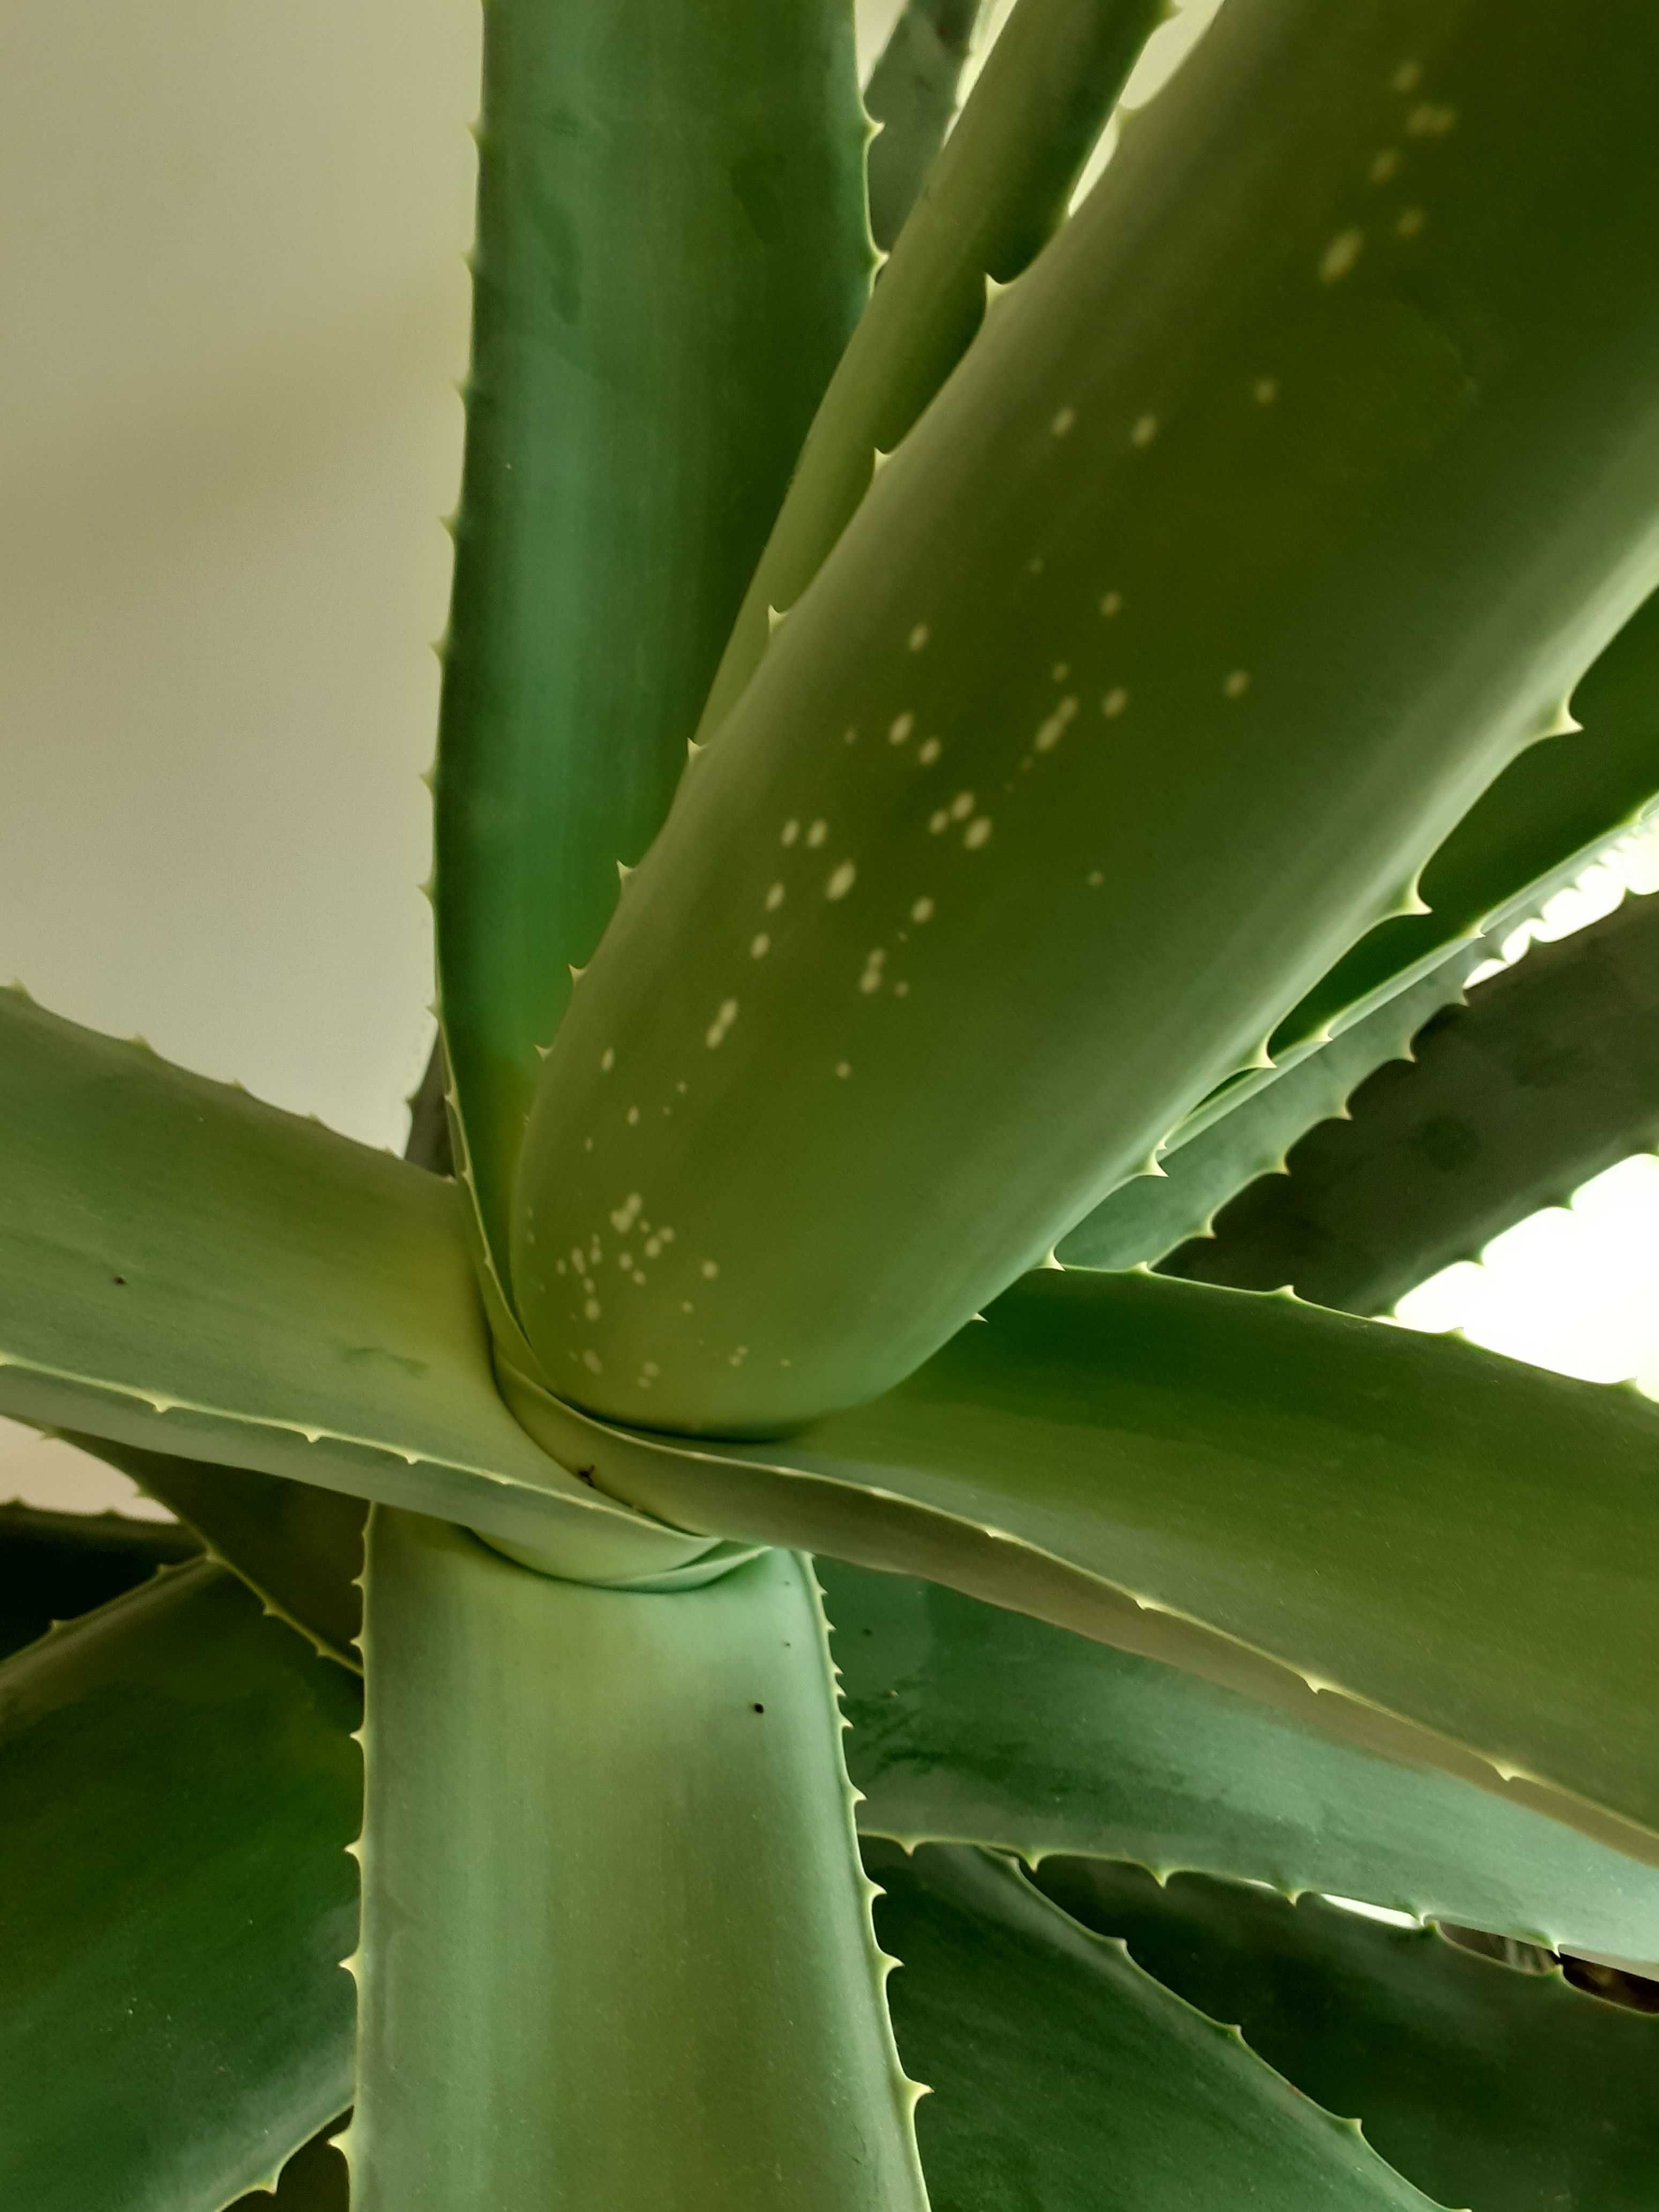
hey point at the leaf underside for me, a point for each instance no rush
(179, 1789)
(1064, 2077)
(1506, 2091)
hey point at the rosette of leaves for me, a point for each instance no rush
(915, 763)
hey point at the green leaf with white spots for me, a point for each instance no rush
(971, 1724)
(187, 1271)
(178, 1788)
(1509, 2092)
(667, 1989)
(1065, 2078)
(996, 195)
(671, 251)
(1108, 809)
(1420, 1547)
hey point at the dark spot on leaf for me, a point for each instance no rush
(760, 1709)
(585, 1474)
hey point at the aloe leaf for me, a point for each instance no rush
(1489, 2088)
(185, 1270)
(1169, 817)
(1064, 2077)
(617, 1941)
(672, 250)
(995, 197)
(180, 1787)
(912, 95)
(1544, 819)
(1146, 1219)
(1434, 1552)
(1549, 815)
(56, 1567)
(1549, 1075)
(971, 1724)
(299, 1548)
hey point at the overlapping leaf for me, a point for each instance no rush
(1428, 1550)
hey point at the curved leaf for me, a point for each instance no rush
(185, 1270)
(180, 1787)
(1064, 2077)
(1259, 748)
(1502, 2090)
(1549, 1075)
(971, 1724)
(666, 1986)
(1439, 1555)
(671, 251)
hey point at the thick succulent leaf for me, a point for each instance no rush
(672, 251)
(1064, 2077)
(1439, 1555)
(299, 1547)
(616, 1943)
(1211, 1159)
(997, 194)
(1544, 819)
(911, 94)
(1506, 2091)
(944, 1034)
(56, 1567)
(178, 1787)
(971, 1724)
(1551, 1074)
(188, 1271)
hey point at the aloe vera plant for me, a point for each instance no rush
(911, 756)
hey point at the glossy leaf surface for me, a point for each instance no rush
(1243, 763)
(971, 1724)
(1505, 2091)
(1428, 1550)
(668, 1984)
(188, 1271)
(178, 1787)
(671, 253)
(1065, 2078)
